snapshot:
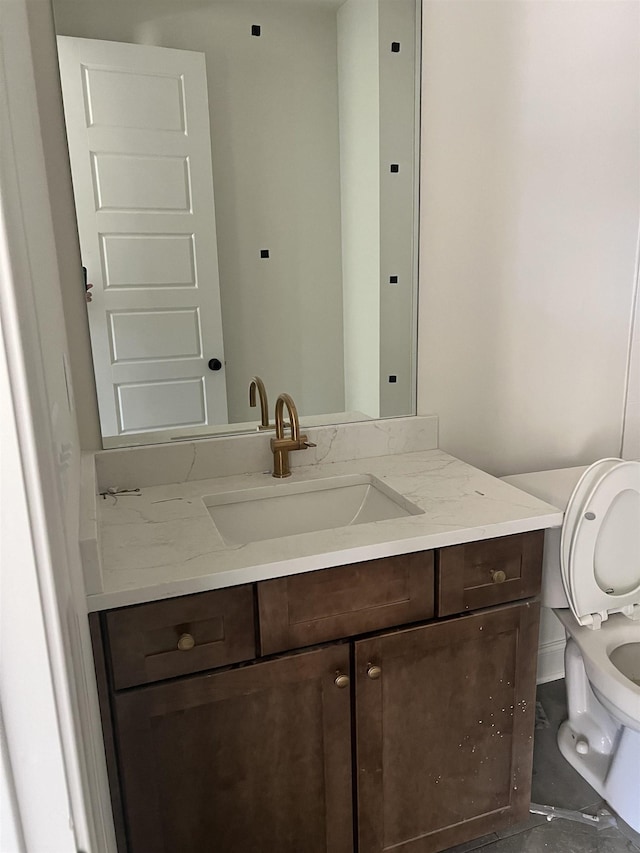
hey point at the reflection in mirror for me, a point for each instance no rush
(245, 181)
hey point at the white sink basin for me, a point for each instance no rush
(285, 509)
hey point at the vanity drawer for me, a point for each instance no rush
(162, 639)
(494, 571)
(331, 604)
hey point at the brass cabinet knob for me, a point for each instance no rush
(374, 672)
(498, 576)
(186, 642)
(341, 680)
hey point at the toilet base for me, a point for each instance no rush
(603, 751)
(613, 776)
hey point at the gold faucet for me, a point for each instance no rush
(281, 445)
(257, 384)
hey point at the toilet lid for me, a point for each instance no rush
(600, 543)
(571, 514)
(583, 487)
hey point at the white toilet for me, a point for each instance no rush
(591, 578)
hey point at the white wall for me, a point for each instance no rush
(530, 198)
(631, 434)
(65, 232)
(266, 169)
(551, 645)
(377, 119)
(398, 209)
(359, 106)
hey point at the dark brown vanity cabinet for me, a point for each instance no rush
(250, 759)
(444, 719)
(412, 735)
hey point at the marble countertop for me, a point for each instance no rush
(163, 542)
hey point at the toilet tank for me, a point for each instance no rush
(554, 487)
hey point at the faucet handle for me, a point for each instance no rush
(306, 443)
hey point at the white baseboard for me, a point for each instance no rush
(551, 661)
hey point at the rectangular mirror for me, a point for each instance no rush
(245, 178)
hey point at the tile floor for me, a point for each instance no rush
(555, 783)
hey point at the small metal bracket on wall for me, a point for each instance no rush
(113, 492)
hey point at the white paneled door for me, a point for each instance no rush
(139, 142)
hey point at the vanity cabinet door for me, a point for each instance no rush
(444, 726)
(249, 760)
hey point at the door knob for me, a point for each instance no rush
(215, 364)
(341, 680)
(374, 672)
(498, 576)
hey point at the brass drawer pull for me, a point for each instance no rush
(341, 680)
(498, 576)
(186, 642)
(374, 672)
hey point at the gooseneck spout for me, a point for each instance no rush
(282, 401)
(257, 384)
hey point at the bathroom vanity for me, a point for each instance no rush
(393, 697)
(370, 688)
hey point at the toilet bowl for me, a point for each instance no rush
(591, 579)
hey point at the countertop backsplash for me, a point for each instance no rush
(225, 456)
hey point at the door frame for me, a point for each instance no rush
(52, 778)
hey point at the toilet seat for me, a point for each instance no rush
(599, 557)
(615, 691)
